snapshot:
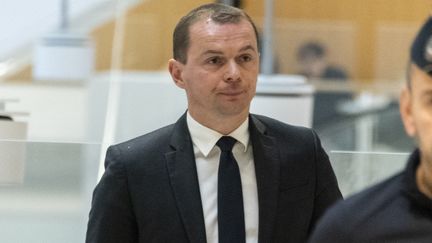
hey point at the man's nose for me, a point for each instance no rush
(232, 72)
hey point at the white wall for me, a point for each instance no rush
(22, 21)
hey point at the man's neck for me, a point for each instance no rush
(424, 179)
(223, 125)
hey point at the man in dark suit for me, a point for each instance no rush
(399, 209)
(170, 185)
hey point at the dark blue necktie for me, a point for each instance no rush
(230, 198)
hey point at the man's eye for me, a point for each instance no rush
(214, 60)
(245, 58)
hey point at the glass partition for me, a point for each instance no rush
(365, 129)
(47, 196)
(356, 171)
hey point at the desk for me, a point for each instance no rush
(12, 151)
(4, 101)
(12, 145)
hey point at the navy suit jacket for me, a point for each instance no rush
(150, 191)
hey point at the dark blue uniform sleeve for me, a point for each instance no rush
(333, 227)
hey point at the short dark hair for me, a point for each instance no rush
(234, 3)
(219, 13)
(309, 49)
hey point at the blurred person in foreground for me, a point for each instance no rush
(219, 174)
(400, 208)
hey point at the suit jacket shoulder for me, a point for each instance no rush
(145, 182)
(298, 146)
(290, 134)
(150, 143)
(290, 159)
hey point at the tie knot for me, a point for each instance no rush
(226, 143)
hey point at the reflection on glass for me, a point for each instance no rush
(356, 171)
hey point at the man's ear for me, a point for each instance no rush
(176, 68)
(405, 108)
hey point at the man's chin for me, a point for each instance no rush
(234, 110)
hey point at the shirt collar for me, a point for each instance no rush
(205, 138)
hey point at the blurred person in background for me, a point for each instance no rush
(314, 64)
(312, 58)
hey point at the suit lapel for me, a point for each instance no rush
(267, 164)
(184, 181)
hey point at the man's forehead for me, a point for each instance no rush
(419, 78)
(209, 31)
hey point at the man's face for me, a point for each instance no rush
(221, 71)
(416, 111)
(313, 66)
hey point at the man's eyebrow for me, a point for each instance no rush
(426, 93)
(248, 47)
(245, 48)
(212, 52)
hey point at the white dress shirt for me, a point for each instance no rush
(207, 162)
